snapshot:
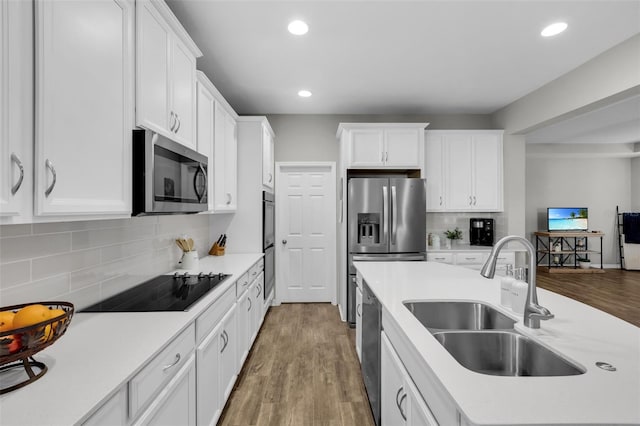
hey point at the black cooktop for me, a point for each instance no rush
(163, 293)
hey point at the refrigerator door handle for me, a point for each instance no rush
(394, 215)
(385, 211)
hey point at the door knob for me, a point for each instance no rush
(284, 241)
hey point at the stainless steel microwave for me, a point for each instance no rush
(168, 178)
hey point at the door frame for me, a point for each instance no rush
(281, 166)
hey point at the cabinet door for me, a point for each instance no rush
(434, 173)
(487, 162)
(459, 172)
(402, 148)
(208, 360)
(243, 323)
(231, 163)
(16, 111)
(113, 412)
(393, 394)
(153, 40)
(359, 323)
(366, 148)
(183, 80)
(205, 135)
(267, 159)
(228, 356)
(176, 405)
(418, 413)
(84, 107)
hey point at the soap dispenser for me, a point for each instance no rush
(505, 287)
(519, 290)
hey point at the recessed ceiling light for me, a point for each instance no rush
(298, 27)
(554, 29)
(304, 93)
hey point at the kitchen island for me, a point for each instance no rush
(101, 352)
(579, 333)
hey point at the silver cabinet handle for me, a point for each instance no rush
(225, 339)
(228, 198)
(386, 157)
(284, 241)
(270, 177)
(16, 159)
(400, 407)
(259, 290)
(166, 367)
(470, 200)
(179, 123)
(382, 157)
(49, 165)
(474, 200)
(439, 258)
(249, 299)
(398, 402)
(441, 200)
(172, 121)
(358, 307)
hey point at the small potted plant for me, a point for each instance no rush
(584, 263)
(456, 234)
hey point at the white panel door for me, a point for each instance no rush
(305, 232)
(209, 396)
(402, 148)
(393, 395)
(205, 134)
(487, 157)
(366, 147)
(434, 160)
(183, 80)
(84, 107)
(459, 174)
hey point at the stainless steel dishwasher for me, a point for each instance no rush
(371, 328)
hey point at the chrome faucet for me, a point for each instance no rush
(533, 312)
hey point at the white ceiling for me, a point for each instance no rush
(395, 57)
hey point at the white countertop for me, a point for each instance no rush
(463, 247)
(579, 332)
(101, 351)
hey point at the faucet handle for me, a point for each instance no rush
(536, 311)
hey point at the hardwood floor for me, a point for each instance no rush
(616, 291)
(303, 370)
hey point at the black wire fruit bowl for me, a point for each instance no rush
(18, 345)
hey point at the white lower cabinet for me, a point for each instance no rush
(176, 404)
(243, 322)
(216, 369)
(401, 403)
(359, 322)
(112, 412)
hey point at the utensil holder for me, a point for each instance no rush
(216, 250)
(189, 260)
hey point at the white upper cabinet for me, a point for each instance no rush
(84, 107)
(226, 161)
(205, 130)
(464, 170)
(383, 145)
(268, 176)
(16, 111)
(166, 73)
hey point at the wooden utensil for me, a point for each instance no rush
(191, 244)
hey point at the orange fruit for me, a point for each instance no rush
(31, 314)
(6, 320)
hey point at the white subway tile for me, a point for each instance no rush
(120, 251)
(12, 274)
(104, 237)
(36, 291)
(84, 297)
(18, 248)
(14, 230)
(66, 262)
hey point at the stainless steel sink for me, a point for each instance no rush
(459, 315)
(504, 353)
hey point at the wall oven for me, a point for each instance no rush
(168, 178)
(268, 241)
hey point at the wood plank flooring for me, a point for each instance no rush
(616, 292)
(303, 370)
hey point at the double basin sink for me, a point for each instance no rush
(483, 340)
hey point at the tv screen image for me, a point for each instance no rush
(567, 218)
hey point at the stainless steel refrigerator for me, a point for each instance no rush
(387, 222)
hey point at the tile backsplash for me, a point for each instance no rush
(84, 262)
(437, 223)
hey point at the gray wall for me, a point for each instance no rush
(313, 137)
(579, 176)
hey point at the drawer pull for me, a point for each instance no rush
(439, 258)
(166, 367)
(225, 339)
(470, 258)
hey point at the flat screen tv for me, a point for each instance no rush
(567, 218)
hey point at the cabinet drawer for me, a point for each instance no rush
(256, 269)
(210, 318)
(470, 258)
(150, 380)
(440, 257)
(506, 258)
(242, 284)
